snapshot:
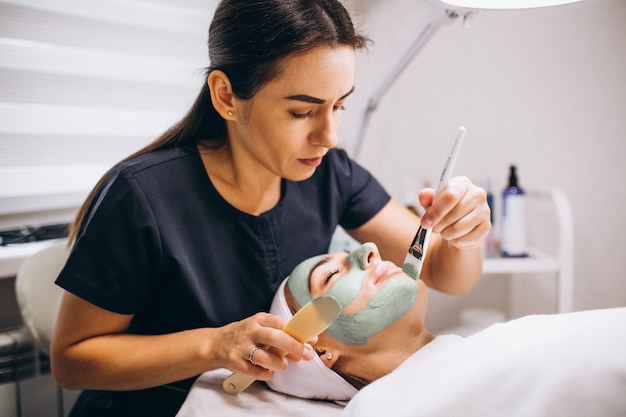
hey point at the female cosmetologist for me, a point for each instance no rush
(179, 249)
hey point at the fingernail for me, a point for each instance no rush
(308, 353)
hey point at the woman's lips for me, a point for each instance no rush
(385, 270)
(312, 162)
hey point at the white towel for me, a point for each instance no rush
(570, 365)
(207, 398)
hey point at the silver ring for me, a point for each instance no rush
(251, 353)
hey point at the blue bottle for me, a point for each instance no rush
(513, 238)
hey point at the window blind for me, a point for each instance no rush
(84, 83)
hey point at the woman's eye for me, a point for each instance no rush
(302, 115)
(330, 274)
(339, 107)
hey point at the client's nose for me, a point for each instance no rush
(370, 255)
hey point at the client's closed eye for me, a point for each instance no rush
(327, 273)
(330, 274)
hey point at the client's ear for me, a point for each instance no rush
(328, 355)
(329, 358)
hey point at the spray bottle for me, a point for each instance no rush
(513, 232)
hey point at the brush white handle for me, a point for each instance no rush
(448, 167)
(414, 260)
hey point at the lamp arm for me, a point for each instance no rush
(426, 26)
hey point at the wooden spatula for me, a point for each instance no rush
(308, 322)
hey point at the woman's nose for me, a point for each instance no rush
(370, 255)
(326, 133)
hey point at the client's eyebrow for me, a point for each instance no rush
(314, 100)
(321, 262)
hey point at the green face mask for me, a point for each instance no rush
(389, 304)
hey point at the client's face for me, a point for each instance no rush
(373, 293)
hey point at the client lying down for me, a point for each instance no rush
(380, 357)
(570, 364)
(373, 334)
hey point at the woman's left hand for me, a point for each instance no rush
(460, 213)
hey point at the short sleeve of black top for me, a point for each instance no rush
(160, 243)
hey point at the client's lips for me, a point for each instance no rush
(385, 270)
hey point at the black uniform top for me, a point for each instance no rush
(161, 243)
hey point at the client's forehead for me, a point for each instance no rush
(300, 280)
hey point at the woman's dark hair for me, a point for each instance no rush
(247, 41)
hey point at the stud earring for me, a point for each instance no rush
(329, 356)
(230, 113)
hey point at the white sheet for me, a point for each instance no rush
(571, 365)
(548, 365)
(207, 398)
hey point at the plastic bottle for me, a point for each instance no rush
(513, 232)
(491, 244)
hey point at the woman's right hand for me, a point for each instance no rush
(235, 341)
(92, 349)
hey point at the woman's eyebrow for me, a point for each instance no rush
(314, 100)
(306, 98)
(321, 262)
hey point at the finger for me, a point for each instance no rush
(287, 344)
(469, 230)
(270, 334)
(296, 358)
(258, 362)
(472, 239)
(271, 320)
(426, 196)
(470, 212)
(448, 199)
(262, 360)
(267, 361)
(456, 223)
(312, 341)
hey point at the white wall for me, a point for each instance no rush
(544, 89)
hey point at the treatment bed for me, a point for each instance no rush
(570, 365)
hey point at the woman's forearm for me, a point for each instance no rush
(92, 349)
(129, 362)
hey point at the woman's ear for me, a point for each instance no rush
(329, 356)
(222, 94)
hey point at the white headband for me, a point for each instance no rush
(307, 379)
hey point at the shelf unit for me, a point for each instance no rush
(561, 263)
